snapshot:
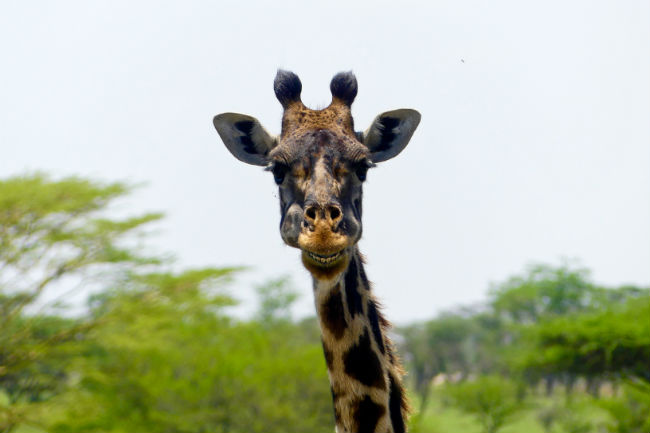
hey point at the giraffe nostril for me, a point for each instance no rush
(335, 212)
(311, 213)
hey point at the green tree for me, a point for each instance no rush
(434, 347)
(168, 359)
(552, 315)
(454, 343)
(544, 291)
(275, 298)
(611, 343)
(51, 233)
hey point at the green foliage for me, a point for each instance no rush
(436, 347)
(551, 324)
(572, 423)
(612, 342)
(548, 416)
(544, 291)
(560, 326)
(460, 343)
(51, 232)
(492, 399)
(157, 350)
(53, 228)
(629, 412)
(166, 358)
(276, 298)
(443, 417)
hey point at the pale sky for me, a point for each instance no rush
(534, 143)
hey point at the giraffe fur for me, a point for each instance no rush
(320, 163)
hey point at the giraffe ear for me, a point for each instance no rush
(245, 137)
(389, 133)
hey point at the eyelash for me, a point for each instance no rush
(279, 172)
(361, 169)
(361, 173)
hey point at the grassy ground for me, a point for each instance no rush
(441, 418)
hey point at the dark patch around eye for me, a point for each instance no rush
(387, 134)
(362, 364)
(352, 295)
(361, 172)
(367, 415)
(279, 171)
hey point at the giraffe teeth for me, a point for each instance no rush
(323, 259)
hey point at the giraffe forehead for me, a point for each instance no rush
(319, 147)
(297, 119)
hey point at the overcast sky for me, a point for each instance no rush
(534, 143)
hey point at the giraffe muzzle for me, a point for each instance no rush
(325, 260)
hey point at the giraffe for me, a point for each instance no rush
(319, 163)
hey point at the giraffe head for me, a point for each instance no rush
(319, 163)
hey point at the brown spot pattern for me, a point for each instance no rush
(352, 295)
(332, 313)
(361, 363)
(366, 415)
(373, 317)
(395, 405)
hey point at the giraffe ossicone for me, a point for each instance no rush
(319, 162)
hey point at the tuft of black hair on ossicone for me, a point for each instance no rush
(287, 87)
(344, 87)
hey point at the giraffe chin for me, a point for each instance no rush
(325, 267)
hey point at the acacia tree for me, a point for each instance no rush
(552, 306)
(545, 291)
(437, 346)
(611, 343)
(52, 233)
(155, 350)
(167, 358)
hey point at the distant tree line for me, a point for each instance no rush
(548, 327)
(156, 348)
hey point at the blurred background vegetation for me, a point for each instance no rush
(156, 349)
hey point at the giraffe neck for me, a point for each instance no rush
(364, 373)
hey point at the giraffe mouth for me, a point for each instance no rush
(324, 260)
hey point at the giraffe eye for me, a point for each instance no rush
(279, 172)
(361, 170)
(361, 173)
